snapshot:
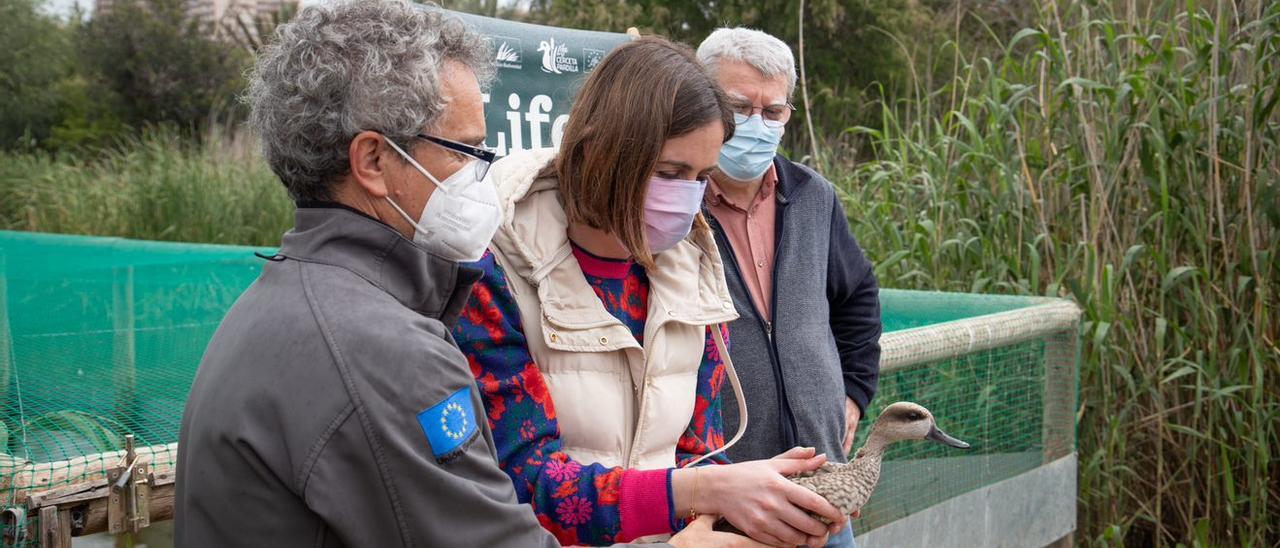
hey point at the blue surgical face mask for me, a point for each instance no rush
(748, 154)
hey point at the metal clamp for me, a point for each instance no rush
(15, 525)
(129, 502)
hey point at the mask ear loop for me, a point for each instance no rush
(416, 165)
(394, 205)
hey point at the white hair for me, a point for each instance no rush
(767, 54)
(342, 68)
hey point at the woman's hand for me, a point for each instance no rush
(700, 533)
(757, 498)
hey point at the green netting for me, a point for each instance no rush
(997, 372)
(910, 309)
(993, 399)
(100, 337)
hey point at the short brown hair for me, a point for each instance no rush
(643, 93)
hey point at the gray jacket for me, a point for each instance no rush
(332, 407)
(822, 343)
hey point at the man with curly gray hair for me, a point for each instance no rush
(332, 407)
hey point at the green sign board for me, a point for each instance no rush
(539, 69)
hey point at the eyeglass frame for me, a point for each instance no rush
(486, 157)
(787, 106)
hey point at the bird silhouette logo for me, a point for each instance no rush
(549, 50)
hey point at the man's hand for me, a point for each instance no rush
(700, 533)
(851, 418)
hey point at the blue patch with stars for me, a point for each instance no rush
(449, 424)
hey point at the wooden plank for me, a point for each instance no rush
(62, 495)
(91, 502)
(55, 527)
(29, 476)
(161, 509)
(85, 492)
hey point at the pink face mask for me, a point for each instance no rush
(670, 205)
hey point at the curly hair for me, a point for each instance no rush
(342, 68)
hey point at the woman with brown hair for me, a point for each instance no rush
(596, 334)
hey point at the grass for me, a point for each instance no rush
(1125, 155)
(154, 187)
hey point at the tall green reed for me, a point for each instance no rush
(1127, 157)
(156, 187)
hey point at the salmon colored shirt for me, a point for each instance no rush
(751, 232)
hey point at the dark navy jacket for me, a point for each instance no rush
(823, 341)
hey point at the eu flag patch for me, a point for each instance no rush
(449, 424)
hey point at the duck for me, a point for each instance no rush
(849, 486)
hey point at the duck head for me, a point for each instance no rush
(910, 421)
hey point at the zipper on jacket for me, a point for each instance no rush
(766, 325)
(792, 434)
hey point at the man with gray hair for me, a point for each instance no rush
(332, 407)
(807, 342)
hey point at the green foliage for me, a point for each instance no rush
(160, 66)
(71, 84)
(88, 116)
(1129, 160)
(35, 55)
(154, 187)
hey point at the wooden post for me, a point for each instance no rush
(55, 528)
(124, 347)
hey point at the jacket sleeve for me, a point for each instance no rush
(580, 503)
(854, 299)
(378, 475)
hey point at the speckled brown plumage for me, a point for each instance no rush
(849, 486)
(845, 486)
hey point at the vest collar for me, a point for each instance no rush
(688, 284)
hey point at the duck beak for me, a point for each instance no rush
(942, 437)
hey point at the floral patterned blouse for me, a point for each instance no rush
(578, 502)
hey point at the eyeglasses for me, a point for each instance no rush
(775, 115)
(485, 157)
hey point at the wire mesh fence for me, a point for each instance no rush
(101, 337)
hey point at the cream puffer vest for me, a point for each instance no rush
(617, 403)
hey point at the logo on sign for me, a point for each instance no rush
(508, 52)
(592, 57)
(555, 57)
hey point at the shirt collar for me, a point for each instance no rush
(768, 185)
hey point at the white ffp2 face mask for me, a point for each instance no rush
(460, 217)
